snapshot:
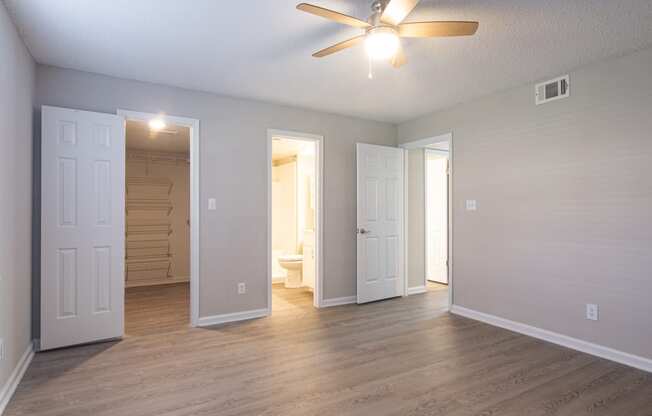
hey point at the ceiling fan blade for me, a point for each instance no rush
(399, 58)
(435, 29)
(332, 15)
(338, 46)
(397, 10)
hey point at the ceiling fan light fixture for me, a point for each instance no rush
(381, 43)
(385, 28)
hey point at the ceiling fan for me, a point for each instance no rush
(384, 28)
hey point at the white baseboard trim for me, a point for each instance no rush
(621, 357)
(232, 317)
(327, 303)
(416, 290)
(10, 386)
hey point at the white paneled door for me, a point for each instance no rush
(82, 227)
(380, 222)
(436, 216)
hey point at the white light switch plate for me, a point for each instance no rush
(591, 311)
(212, 204)
(471, 205)
(242, 288)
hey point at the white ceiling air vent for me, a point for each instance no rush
(552, 90)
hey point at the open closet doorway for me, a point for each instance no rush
(294, 219)
(160, 223)
(428, 247)
(436, 213)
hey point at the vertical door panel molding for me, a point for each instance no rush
(102, 191)
(67, 283)
(102, 279)
(67, 191)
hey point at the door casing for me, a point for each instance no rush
(419, 144)
(318, 295)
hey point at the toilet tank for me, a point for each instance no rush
(309, 263)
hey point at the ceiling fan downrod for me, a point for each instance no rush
(377, 8)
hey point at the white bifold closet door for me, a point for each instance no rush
(82, 227)
(380, 222)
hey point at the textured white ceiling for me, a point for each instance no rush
(261, 49)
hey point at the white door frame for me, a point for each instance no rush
(193, 124)
(419, 144)
(318, 293)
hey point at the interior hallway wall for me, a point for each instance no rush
(17, 70)
(233, 163)
(564, 197)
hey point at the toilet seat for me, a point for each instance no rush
(290, 258)
(293, 264)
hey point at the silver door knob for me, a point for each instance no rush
(362, 231)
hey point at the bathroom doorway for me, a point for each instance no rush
(294, 220)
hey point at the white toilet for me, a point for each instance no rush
(293, 263)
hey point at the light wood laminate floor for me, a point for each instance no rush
(157, 309)
(404, 356)
(435, 286)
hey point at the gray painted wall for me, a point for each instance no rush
(16, 95)
(564, 195)
(233, 169)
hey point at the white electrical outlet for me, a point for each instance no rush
(2, 349)
(242, 288)
(471, 205)
(212, 204)
(592, 311)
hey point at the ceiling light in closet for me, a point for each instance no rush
(156, 124)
